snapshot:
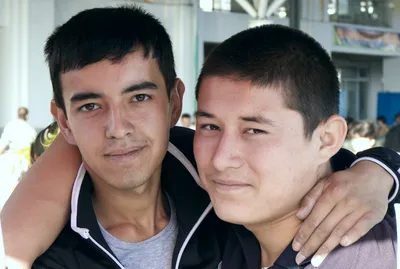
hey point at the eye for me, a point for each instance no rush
(209, 127)
(255, 131)
(89, 107)
(140, 97)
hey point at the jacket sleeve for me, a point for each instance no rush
(388, 160)
(51, 259)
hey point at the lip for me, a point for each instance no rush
(123, 151)
(230, 186)
(124, 155)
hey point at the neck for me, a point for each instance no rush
(131, 215)
(274, 237)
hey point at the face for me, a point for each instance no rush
(119, 116)
(186, 122)
(254, 161)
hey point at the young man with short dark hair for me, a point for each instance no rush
(258, 161)
(136, 201)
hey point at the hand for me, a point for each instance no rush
(341, 209)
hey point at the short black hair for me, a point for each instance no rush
(397, 115)
(186, 115)
(108, 33)
(285, 58)
(381, 118)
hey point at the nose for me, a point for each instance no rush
(227, 153)
(118, 125)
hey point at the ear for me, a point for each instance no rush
(332, 134)
(63, 124)
(176, 99)
(53, 109)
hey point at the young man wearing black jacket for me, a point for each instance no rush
(259, 160)
(136, 201)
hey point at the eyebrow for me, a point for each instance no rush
(78, 97)
(145, 85)
(204, 114)
(258, 119)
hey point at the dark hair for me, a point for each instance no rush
(285, 58)
(362, 129)
(109, 33)
(43, 140)
(397, 115)
(186, 115)
(381, 118)
(350, 120)
(22, 112)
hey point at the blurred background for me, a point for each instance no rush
(363, 38)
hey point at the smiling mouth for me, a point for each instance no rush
(229, 186)
(124, 154)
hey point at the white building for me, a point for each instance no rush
(25, 25)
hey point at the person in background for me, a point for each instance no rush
(396, 119)
(186, 120)
(43, 141)
(362, 136)
(15, 144)
(18, 134)
(392, 139)
(381, 131)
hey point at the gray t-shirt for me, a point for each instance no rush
(153, 253)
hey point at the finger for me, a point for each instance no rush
(308, 202)
(363, 225)
(321, 210)
(334, 238)
(324, 230)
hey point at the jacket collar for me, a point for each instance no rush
(192, 204)
(251, 249)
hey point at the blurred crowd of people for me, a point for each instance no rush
(367, 134)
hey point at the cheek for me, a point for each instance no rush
(88, 134)
(203, 151)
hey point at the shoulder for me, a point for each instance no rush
(61, 254)
(375, 250)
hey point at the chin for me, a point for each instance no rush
(232, 213)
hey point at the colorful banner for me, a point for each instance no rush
(354, 37)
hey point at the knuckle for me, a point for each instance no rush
(337, 190)
(352, 202)
(370, 219)
(301, 237)
(321, 232)
(312, 223)
(339, 231)
(306, 250)
(325, 248)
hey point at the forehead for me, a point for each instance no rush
(225, 92)
(134, 67)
